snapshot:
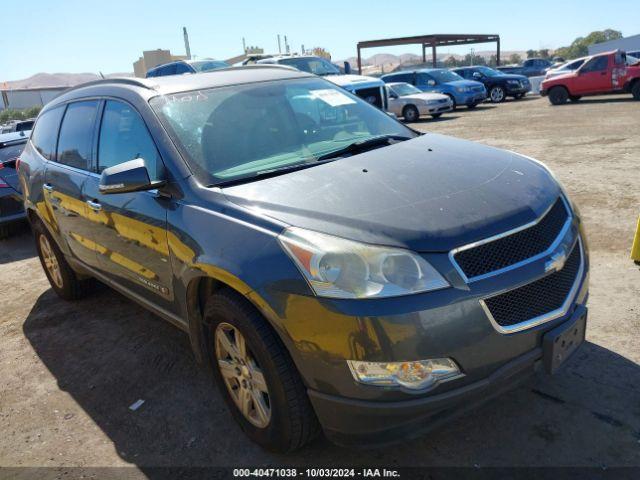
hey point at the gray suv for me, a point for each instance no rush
(333, 268)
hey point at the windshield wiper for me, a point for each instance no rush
(363, 145)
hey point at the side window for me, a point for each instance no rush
(76, 134)
(182, 68)
(167, 70)
(596, 64)
(124, 137)
(404, 77)
(45, 134)
(422, 79)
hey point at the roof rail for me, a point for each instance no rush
(136, 82)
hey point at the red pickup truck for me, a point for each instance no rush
(600, 74)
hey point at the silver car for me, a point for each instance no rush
(408, 102)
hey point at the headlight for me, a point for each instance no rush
(340, 268)
(463, 89)
(416, 375)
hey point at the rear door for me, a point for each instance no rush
(594, 77)
(130, 228)
(65, 179)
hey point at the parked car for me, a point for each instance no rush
(532, 67)
(499, 85)
(332, 266)
(370, 89)
(634, 53)
(18, 126)
(11, 205)
(440, 80)
(408, 102)
(568, 67)
(603, 73)
(186, 66)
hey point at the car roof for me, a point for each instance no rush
(169, 84)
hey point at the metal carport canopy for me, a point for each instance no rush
(433, 40)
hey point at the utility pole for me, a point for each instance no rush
(279, 47)
(244, 45)
(286, 45)
(186, 42)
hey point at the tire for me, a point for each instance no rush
(291, 421)
(453, 102)
(635, 90)
(472, 106)
(558, 95)
(436, 115)
(65, 282)
(497, 94)
(574, 98)
(410, 114)
(5, 231)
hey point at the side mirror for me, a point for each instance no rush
(392, 94)
(431, 83)
(131, 176)
(347, 68)
(477, 75)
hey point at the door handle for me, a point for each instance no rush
(48, 187)
(93, 205)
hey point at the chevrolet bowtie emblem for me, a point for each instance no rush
(556, 262)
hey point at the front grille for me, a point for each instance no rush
(371, 95)
(511, 249)
(537, 298)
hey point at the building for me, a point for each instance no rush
(628, 44)
(23, 98)
(153, 58)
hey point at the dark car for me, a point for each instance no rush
(333, 267)
(186, 66)
(531, 67)
(11, 205)
(499, 85)
(18, 126)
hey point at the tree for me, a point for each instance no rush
(12, 114)
(515, 58)
(544, 53)
(579, 47)
(493, 61)
(321, 52)
(532, 53)
(451, 62)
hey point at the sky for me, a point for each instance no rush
(74, 36)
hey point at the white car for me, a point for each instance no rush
(408, 102)
(568, 67)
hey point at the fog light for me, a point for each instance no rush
(416, 375)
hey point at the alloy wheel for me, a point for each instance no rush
(242, 375)
(497, 95)
(51, 262)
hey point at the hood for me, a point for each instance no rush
(465, 83)
(432, 193)
(347, 80)
(513, 76)
(425, 96)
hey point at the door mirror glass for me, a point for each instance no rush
(431, 83)
(347, 68)
(477, 75)
(131, 176)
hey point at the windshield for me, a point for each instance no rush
(316, 65)
(404, 89)
(489, 72)
(208, 65)
(240, 131)
(444, 76)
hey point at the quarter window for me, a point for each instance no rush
(124, 137)
(45, 134)
(76, 134)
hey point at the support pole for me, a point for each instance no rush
(433, 55)
(424, 53)
(498, 52)
(359, 61)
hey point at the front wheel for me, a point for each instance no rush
(411, 113)
(558, 95)
(497, 94)
(256, 375)
(453, 102)
(574, 98)
(635, 90)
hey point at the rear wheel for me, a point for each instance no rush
(256, 375)
(497, 94)
(558, 95)
(635, 90)
(411, 114)
(61, 276)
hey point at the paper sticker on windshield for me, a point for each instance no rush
(335, 98)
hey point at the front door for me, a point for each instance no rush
(130, 228)
(594, 76)
(66, 177)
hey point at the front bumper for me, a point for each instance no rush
(347, 421)
(472, 98)
(435, 109)
(518, 90)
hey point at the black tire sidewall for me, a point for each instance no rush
(635, 90)
(415, 113)
(276, 436)
(558, 95)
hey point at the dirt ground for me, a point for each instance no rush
(70, 371)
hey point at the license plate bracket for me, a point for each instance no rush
(561, 342)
